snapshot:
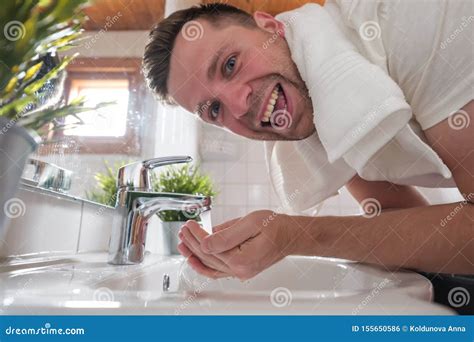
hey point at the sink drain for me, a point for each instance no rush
(166, 282)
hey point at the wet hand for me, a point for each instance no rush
(242, 247)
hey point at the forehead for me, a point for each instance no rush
(195, 47)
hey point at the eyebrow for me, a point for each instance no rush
(211, 73)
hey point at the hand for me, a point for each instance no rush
(242, 247)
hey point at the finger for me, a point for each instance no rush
(185, 251)
(224, 225)
(195, 247)
(228, 238)
(196, 230)
(200, 268)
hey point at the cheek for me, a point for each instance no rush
(257, 64)
(237, 127)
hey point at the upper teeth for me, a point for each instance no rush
(270, 105)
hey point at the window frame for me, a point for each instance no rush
(110, 68)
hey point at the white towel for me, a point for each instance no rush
(363, 123)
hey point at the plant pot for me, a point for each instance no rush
(170, 236)
(16, 144)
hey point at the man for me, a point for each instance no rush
(234, 71)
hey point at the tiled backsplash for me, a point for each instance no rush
(48, 223)
(238, 169)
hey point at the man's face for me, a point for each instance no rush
(243, 79)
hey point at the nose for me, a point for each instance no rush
(236, 98)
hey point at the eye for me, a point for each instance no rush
(214, 110)
(230, 65)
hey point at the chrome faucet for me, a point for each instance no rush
(137, 203)
(48, 176)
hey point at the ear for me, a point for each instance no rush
(268, 23)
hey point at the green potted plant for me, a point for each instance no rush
(31, 78)
(106, 190)
(176, 179)
(185, 179)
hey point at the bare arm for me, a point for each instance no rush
(406, 238)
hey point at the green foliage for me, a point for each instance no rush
(106, 190)
(176, 179)
(31, 30)
(184, 180)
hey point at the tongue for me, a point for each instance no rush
(280, 102)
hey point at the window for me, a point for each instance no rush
(114, 129)
(108, 122)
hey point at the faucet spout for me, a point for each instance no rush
(129, 245)
(192, 206)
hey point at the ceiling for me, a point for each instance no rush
(270, 6)
(123, 14)
(119, 15)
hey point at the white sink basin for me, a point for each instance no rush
(86, 284)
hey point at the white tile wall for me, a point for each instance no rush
(238, 168)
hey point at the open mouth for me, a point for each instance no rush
(276, 104)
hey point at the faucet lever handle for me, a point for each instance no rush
(137, 175)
